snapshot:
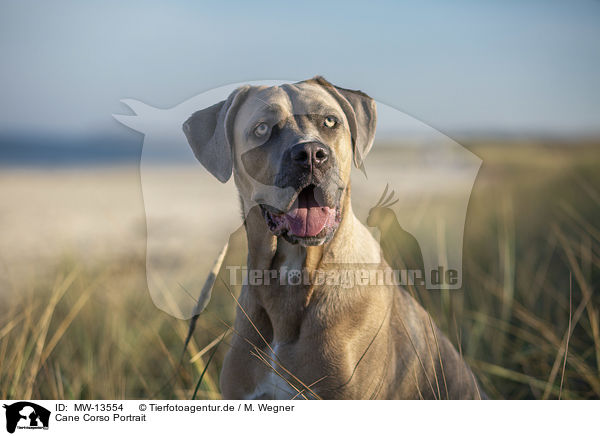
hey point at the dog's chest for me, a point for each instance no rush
(284, 298)
(272, 385)
(284, 301)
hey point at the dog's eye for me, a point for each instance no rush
(330, 121)
(261, 129)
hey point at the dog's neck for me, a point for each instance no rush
(285, 304)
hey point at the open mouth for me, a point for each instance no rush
(307, 219)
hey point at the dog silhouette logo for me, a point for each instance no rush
(26, 415)
(432, 176)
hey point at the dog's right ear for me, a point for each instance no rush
(210, 134)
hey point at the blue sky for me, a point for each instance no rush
(509, 66)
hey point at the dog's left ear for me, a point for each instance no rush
(361, 112)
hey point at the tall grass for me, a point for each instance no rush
(95, 334)
(532, 256)
(527, 319)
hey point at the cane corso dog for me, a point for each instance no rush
(290, 149)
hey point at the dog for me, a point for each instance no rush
(290, 149)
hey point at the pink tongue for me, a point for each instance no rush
(307, 218)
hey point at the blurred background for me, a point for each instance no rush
(515, 83)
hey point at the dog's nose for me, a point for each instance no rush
(310, 154)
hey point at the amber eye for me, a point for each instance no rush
(330, 121)
(261, 129)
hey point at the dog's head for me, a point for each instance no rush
(290, 149)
